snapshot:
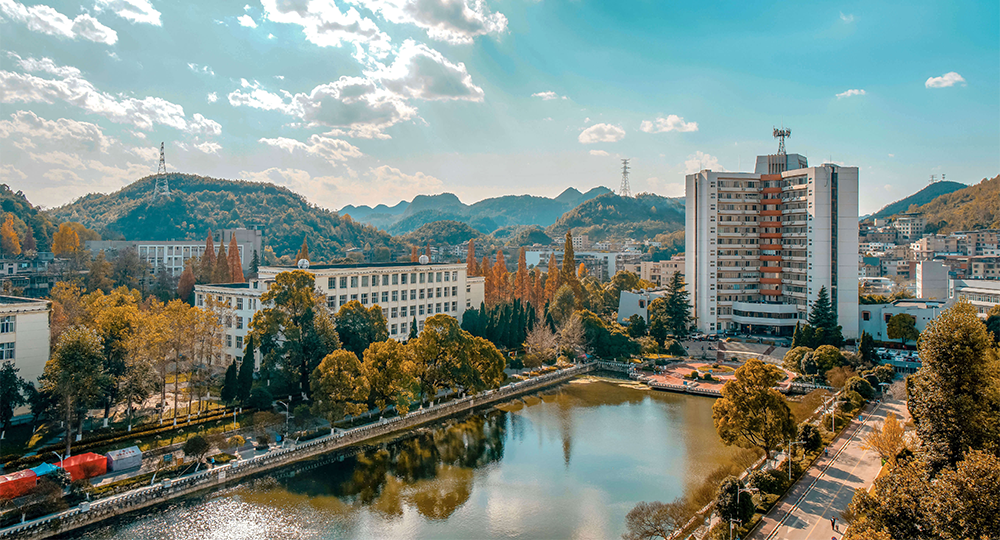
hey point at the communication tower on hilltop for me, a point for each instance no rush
(624, 190)
(161, 187)
(781, 135)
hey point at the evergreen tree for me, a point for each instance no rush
(254, 264)
(230, 383)
(822, 315)
(678, 309)
(413, 329)
(568, 273)
(822, 328)
(303, 251)
(245, 378)
(867, 348)
(797, 336)
(207, 266)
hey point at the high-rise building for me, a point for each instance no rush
(759, 246)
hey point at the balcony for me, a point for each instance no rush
(770, 212)
(770, 292)
(771, 201)
(771, 270)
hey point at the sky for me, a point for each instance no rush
(374, 101)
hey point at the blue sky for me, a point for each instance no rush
(369, 101)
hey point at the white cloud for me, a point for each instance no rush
(892, 155)
(42, 18)
(887, 187)
(77, 136)
(849, 18)
(546, 96)
(851, 92)
(329, 149)
(670, 123)
(601, 133)
(72, 88)
(599, 153)
(213, 97)
(209, 147)
(207, 70)
(136, 11)
(246, 20)
(700, 161)
(667, 189)
(453, 21)
(336, 191)
(948, 79)
(325, 25)
(247, 7)
(423, 73)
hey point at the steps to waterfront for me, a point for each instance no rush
(89, 513)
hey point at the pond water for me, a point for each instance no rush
(569, 463)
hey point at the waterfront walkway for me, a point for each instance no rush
(828, 486)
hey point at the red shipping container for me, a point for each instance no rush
(17, 483)
(85, 466)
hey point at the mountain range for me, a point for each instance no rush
(967, 209)
(924, 196)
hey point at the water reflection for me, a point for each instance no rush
(566, 464)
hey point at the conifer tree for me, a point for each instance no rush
(521, 278)
(245, 378)
(486, 270)
(471, 268)
(413, 329)
(235, 265)
(501, 279)
(678, 308)
(414, 254)
(29, 240)
(207, 267)
(427, 250)
(552, 281)
(221, 273)
(185, 285)
(254, 264)
(303, 251)
(581, 271)
(568, 273)
(230, 383)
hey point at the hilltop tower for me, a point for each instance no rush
(624, 190)
(161, 188)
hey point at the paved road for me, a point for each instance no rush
(828, 486)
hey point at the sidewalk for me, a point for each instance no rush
(828, 486)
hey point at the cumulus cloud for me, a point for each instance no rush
(246, 20)
(136, 11)
(331, 150)
(599, 153)
(325, 25)
(453, 21)
(213, 97)
(546, 96)
(424, 73)
(209, 147)
(72, 134)
(72, 88)
(42, 18)
(606, 133)
(670, 123)
(700, 161)
(948, 79)
(336, 191)
(851, 92)
(207, 70)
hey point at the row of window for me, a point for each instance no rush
(392, 296)
(395, 313)
(387, 279)
(251, 303)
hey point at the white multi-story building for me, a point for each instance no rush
(983, 294)
(406, 292)
(174, 254)
(759, 246)
(24, 335)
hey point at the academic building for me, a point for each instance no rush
(759, 246)
(405, 291)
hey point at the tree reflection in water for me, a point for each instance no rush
(432, 470)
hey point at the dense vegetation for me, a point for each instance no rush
(27, 217)
(198, 204)
(919, 198)
(643, 216)
(442, 232)
(971, 208)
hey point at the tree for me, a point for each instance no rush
(196, 447)
(751, 412)
(964, 502)
(244, 380)
(886, 439)
(29, 244)
(636, 326)
(902, 326)
(648, 520)
(541, 345)
(677, 309)
(65, 241)
(359, 327)
(339, 386)
(295, 332)
(731, 503)
(500, 281)
(389, 368)
(230, 383)
(235, 265)
(828, 357)
(12, 395)
(471, 268)
(75, 373)
(581, 271)
(793, 359)
(568, 273)
(867, 348)
(99, 276)
(413, 329)
(254, 264)
(822, 328)
(552, 281)
(185, 285)
(136, 383)
(303, 251)
(810, 437)
(220, 274)
(9, 243)
(448, 357)
(521, 289)
(563, 304)
(207, 266)
(861, 386)
(953, 398)
(572, 336)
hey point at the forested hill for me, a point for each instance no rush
(973, 207)
(26, 216)
(198, 203)
(919, 198)
(643, 216)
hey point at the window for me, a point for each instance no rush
(364, 298)
(343, 299)
(364, 281)
(201, 301)
(402, 327)
(395, 296)
(354, 297)
(421, 277)
(229, 340)
(402, 279)
(239, 342)
(439, 277)
(413, 278)
(454, 291)
(413, 294)
(343, 282)
(392, 329)
(439, 292)
(395, 279)
(413, 311)
(385, 313)
(446, 290)
(331, 283)
(354, 281)
(437, 308)
(887, 317)
(866, 315)
(454, 306)
(446, 307)
(6, 351)
(239, 323)
(421, 310)
(7, 324)
(385, 296)
(421, 294)
(239, 303)
(395, 313)
(385, 279)
(447, 275)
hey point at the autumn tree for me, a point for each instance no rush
(303, 251)
(542, 345)
(207, 266)
(500, 280)
(751, 411)
(448, 357)
(99, 276)
(414, 254)
(9, 242)
(650, 520)
(471, 268)
(235, 265)
(902, 326)
(389, 368)
(75, 373)
(339, 386)
(185, 285)
(220, 274)
(568, 273)
(359, 327)
(886, 439)
(552, 279)
(65, 241)
(521, 280)
(581, 271)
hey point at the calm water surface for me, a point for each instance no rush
(570, 464)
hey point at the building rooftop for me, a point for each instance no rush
(227, 285)
(358, 265)
(17, 300)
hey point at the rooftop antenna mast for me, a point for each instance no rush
(781, 135)
(624, 190)
(161, 187)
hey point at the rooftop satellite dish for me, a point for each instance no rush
(424, 259)
(303, 264)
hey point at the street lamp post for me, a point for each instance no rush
(288, 414)
(61, 457)
(790, 450)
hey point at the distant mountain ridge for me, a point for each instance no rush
(970, 208)
(508, 210)
(645, 215)
(922, 197)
